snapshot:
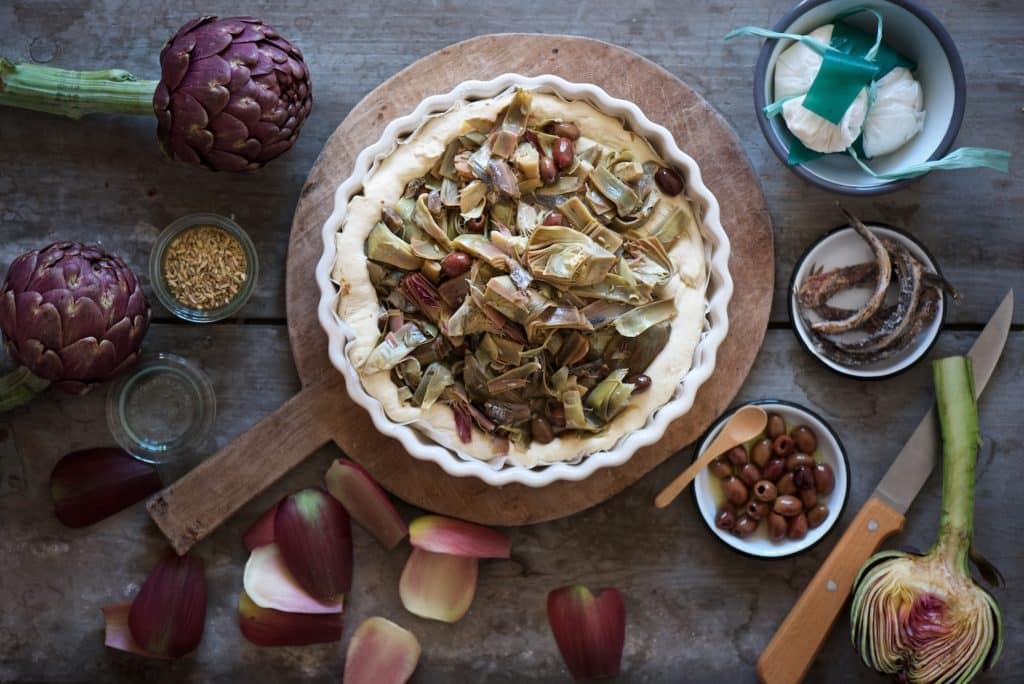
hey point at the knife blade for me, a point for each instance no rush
(919, 456)
(789, 653)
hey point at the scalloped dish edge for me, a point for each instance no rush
(717, 293)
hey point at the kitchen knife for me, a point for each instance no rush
(787, 657)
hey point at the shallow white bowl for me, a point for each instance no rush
(719, 289)
(709, 497)
(843, 247)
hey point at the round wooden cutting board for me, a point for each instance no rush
(195, 505)
(698, 129)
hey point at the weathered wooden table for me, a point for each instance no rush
(696, 610)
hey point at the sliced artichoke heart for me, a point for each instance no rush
(610, 396)
(622, 196)
(385, 247)
(640, 319)
(567, 258)
(649, 262)
(519, 305)
(561, 317)
(432, 384)
(472, 200)
(424, 220)
(397, 345)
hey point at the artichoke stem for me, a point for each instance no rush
(958, 419)
(18, 387)
(73, 93)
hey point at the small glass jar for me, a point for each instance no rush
(159, 282)
(162, 408)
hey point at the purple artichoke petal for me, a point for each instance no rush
(121, 335)
(205, 82)
(229, 133)
(174, 62)
(227, 161)
(187, 28)
(76, 317)
(88, 359)
(190, 122)
(20, 272)
(273, 150)
(82, 318)
(245, 54)
(211, 40)
(245, 110)
(250, 34)
(36, 320)
(233, 92)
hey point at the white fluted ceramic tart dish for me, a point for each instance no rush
(492, 293)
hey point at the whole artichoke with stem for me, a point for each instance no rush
(232, 95)
(72, 315)
(923, 617)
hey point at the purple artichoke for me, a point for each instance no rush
(232, 94)
(73, 314)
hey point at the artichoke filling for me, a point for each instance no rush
(521, 281)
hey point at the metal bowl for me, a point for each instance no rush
(909, 28)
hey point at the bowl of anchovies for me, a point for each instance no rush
(868, 301)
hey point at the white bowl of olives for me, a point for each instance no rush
(781, 492)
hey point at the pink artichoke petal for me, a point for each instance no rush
(438, 586)
(269, 584)
(117, 633)
(269, 627)
(590, 630)
(315, 537)
(261, 532)
(365, 501)
(90, 485)
(381, 652)
(459, 538)
(167, 616)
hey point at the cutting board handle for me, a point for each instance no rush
(788, 656)
(195, 505)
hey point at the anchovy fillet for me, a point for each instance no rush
(874, 303)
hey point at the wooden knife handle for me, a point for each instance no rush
(194, 506)
(789, 654)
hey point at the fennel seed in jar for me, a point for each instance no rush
(204, 267)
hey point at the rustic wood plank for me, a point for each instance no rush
(697, 610)
(105, 177)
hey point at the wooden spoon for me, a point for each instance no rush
(744, 425)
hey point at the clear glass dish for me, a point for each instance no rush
(161, 409)
(159, 283)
